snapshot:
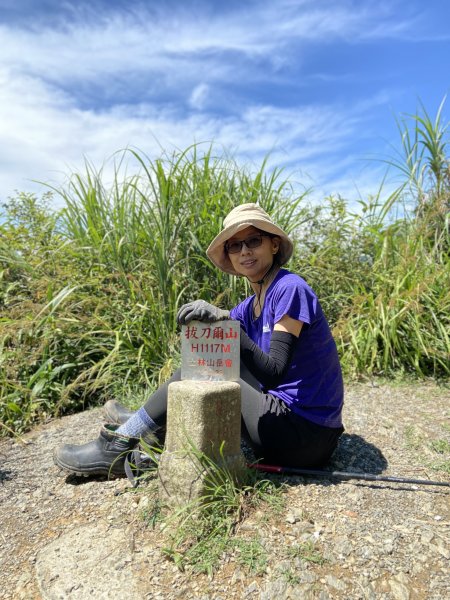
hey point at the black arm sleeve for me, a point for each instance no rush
(269, 369)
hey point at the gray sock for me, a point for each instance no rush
(138, 425)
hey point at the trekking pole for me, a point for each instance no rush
(345, 475)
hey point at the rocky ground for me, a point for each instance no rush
(64, 537)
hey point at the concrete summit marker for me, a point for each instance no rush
(210, 351)
(203, 412)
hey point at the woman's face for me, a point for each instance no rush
(253, 262)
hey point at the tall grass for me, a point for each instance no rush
(96, 301)
(384, 282)
(89, 295)
(401, 320)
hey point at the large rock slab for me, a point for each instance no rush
(92, 561)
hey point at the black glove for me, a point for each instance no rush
(199, 310)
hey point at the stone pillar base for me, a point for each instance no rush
(203, 419)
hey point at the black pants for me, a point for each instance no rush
(276, 434)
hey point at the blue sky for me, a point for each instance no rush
(314, 83)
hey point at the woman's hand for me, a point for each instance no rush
(199, 310)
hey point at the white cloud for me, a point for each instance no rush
(145, 41)
(46, 136)
(151, 65)
(199, 96)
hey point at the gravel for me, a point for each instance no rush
(65, 537)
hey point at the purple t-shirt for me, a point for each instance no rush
(313, 386)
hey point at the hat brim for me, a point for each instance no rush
(216, 250)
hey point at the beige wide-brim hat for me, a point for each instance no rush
(246, 215)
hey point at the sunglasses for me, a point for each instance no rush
(251, 242)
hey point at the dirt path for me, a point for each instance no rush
(72, 538)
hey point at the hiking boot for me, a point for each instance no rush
(104, 456)
(116, 413)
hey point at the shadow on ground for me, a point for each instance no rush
(355, 454)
